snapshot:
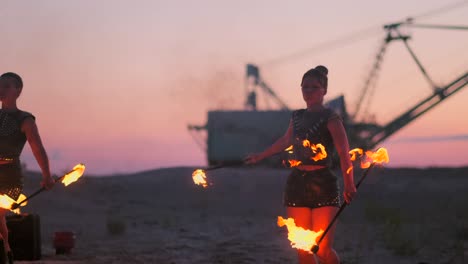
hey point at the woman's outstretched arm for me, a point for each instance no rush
(280, 144)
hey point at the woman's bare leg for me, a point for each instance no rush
(321, 217)
(303, 218)
(4, 229)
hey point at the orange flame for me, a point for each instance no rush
(355, 152)
(300, 238)
(199, 178)
(367, 158)
(318, 150)
(294, 163)
(6, 202)
(379, 157)
(73, 175)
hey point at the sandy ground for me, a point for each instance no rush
(399, 216)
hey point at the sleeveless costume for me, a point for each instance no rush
(319, 187)
(12, 141)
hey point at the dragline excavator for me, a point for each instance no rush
(231, 135)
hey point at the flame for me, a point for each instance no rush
(199, 178)
(367, 158)
(355, 152)
(6, 202)
(318, 150)
(379, 157)
(73, 175)
(348, 171)
(300, 238)
(294, 163)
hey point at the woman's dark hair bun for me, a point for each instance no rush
(322, 69)
(320, 73)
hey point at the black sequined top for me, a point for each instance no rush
(312, 126)
(12, 139)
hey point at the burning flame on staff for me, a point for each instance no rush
(73, 175)
(300, 238)
(379, 157)
(355, 152)
(6, 202)
(199, 178)
(368, 157)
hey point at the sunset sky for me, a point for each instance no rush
(114, 84)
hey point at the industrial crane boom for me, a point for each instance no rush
(422, 107)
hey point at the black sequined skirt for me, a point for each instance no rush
(11, 180)
(312, 189)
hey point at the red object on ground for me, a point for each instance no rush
(63, 242)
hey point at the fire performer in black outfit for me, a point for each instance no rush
(16, 127)
(311, 194)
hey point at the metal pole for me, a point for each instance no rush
(16, 205)
(220, 166)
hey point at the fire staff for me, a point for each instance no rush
(16, 127)
(311, 194)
